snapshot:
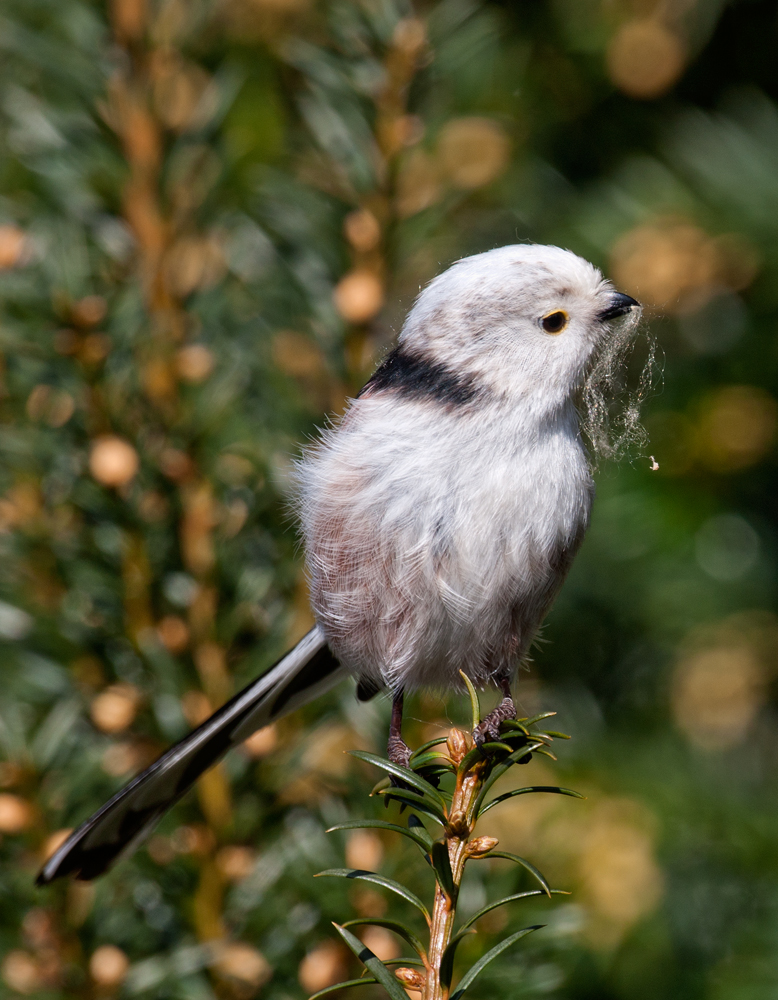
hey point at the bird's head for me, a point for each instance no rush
(534, 325)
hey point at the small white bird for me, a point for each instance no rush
(440, 515)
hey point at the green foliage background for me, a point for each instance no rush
(184, 188)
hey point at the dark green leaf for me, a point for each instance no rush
(508, 899)
(415, 824)
(373, 964)
(495, 747)
(442, 866)
(415, 802)
(499, 770)
(426, 759)
(519, 861)
(514, 724)
(515, 736)
(392, 925)
(467, 980)
(546, 753)
(557, 735)
(423, 839)
(387, 883)
(403, 773)
(447, 958)
(470, 758)
(427, 746)
(536, 718)
(475, 707)
(438, 772)
(527, 791)
(344, 986)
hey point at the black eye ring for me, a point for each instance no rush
(555, 322)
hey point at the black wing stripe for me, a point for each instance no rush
(416, 377)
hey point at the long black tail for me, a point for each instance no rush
(305, 672)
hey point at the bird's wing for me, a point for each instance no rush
(121, 824)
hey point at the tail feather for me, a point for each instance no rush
(122, 823)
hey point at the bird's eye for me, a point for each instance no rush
(555, 322)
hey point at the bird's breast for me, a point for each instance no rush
(426, 531)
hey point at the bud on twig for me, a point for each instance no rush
(480, 846)
(457, 824)
(411, 977)
(457, 745)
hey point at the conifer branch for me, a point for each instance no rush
(473, 770)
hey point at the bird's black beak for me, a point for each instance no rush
(619, 305)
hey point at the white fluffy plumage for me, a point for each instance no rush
(442, 513)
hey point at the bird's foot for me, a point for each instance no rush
(488, 730)
(398, 751)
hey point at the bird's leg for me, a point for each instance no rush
(489, 728)
(398, 750)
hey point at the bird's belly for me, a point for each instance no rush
(415, 577)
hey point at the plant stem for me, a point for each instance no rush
(461, 822)
(475, 770)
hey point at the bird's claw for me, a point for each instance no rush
(398, 751)
(488, 730)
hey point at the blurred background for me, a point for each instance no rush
(213, 217)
